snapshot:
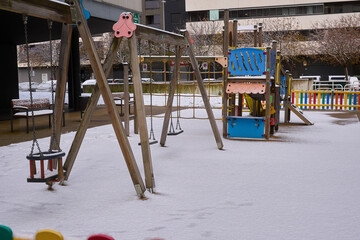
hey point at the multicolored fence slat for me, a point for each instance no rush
(326, 100)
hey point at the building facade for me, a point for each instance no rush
(305, 13)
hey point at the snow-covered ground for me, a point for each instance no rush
(304, 185)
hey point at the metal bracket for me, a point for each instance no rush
(223, 61)
(73, 11)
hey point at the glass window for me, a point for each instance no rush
(292, 11)
(272, 12)
(285, 11)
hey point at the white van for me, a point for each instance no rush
(337, 78)
(315, 78)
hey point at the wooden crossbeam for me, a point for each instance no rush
(158, 36)
(55, 11)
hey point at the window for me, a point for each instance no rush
(149, 19)
(152, 4)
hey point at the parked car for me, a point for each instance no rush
(89, 82)
(46, 86)
(24, 86)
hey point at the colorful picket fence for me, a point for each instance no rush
(326, 100)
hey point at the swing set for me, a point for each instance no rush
(69, 14)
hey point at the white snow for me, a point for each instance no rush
(302, 185)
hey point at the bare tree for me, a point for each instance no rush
(285, 31)
(207, 37)
(338, 41)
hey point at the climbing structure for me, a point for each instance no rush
(252, 74)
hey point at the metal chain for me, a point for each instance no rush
(54, 141)
(35, 141)
(178, 104)
(152, 134)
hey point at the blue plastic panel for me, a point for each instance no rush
(246, 127)
(247, 61)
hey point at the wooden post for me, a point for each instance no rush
(61, 83)
(232, 97)
(255, 35)
(273, 86)
(170, 97)
(260, 34)
(286, 99)
(140, 114)
(108, 99)
(267, 92)
(225, 80)
(127, 98)
(90, 108)
(200, 82)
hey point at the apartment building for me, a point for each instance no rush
(304, 12)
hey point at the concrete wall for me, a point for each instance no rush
(199, 5)
(302, 84)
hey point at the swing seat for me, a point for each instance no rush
(49, 176)
(175, 133)
(151, 142)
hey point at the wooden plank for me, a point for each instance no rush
(300, 114)
(170, 100)
(90, 108)
(127, 99)
(226, 69)
(109, 101)
(61, 83)
(140, 114)
(55, 11)
(267, 93)
(205, 99)
(158, 35)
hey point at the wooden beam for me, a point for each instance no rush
(286, 100)
(158, 36)
(61, 82)
(54, 11)
(127, 98)
(267, 93)
(109, 100)
(205, 99)
(90, 108)
(170, 97)
(226, 69)
(140, 114)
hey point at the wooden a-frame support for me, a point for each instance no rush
(103, 88)
(200, 82)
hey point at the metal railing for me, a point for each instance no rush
(326, 100)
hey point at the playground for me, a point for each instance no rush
(302, 185)
(267, 176)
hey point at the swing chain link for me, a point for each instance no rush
(35, 141)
